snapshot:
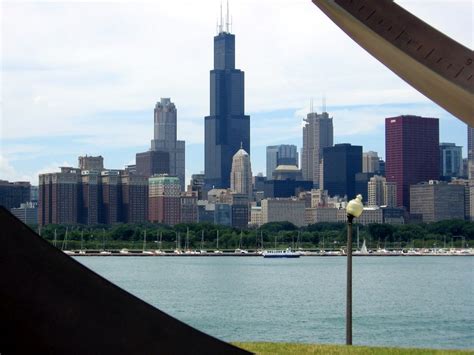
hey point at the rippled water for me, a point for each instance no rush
(398, 301)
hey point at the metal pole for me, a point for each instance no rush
(349, 282)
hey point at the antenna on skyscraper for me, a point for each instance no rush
(220, 26)
(311, 106)
(227, 23)
(324, 103)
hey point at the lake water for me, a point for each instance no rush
(397, 301)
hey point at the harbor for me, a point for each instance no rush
(259, 253)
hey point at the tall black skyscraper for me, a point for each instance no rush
(226, 127)
(341, 163)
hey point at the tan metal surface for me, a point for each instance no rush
(434, 64)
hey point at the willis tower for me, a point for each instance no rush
(227, 126)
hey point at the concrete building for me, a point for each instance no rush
(283, 209)
(189, 207)
(166, 138)
(341, 164)
(437, 201)
(317, 135)
(13, 194)
(256, 216)
(91, 163)
(412, 153)
(381, 192)
(370, 162)
(227, 127)
(241, 174)
(283, 154)
(27, 213)
(59, 197)
(339, 215)
(450, 160)
(111, 203)
(134, 198)
(164, 204)
(361, 184)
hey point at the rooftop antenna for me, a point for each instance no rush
(324, 103)
(227, 23)
(220, 26)
(240, 144)
(311, 105)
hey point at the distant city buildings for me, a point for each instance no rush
(13, 194)
(450, 160)
(27, 213)
(164, 199)
(381, 192)
(341, 164)
(283, 154)
(227, 128)
(470, 152)
(317, 135)
(437, 201)
(241, 174)
(412, 153)
(370, 162)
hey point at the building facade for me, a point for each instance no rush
(450, 160)
(381, 192)
(241, 174)
(412, 153)
(227, 128)
(152, 162)
(341, 164)
(164, 203)
(318, 133)
(166, 138)
(283, 210)
(370, 162)
(437, 201)
(89, 162)
(27, 213)
(13, 194)
(283, 154)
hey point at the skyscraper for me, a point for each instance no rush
(227, 126)
(341, 164)
(317, 134)
(165, 138)
(381, 192)
(164, 204)
(241, 174)
(470, 152)
(283, 154)
(450, 160)
(412, 153)
(370, 162)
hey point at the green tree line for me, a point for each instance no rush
(449, 233)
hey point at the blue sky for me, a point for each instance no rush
(83, 78)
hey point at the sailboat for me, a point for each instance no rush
(159, 251)
(239, 250)
(202, 251)
(104, 252)
(363, 250)
(82, 251)
(64, 246)
(178, 245)
(144, 251)
(217, 251)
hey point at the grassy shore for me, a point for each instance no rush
(288, 348)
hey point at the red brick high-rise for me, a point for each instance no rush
(412, 153)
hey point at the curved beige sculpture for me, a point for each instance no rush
(434, 64)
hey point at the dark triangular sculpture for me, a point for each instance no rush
(51, 304)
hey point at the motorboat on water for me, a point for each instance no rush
(287, 253)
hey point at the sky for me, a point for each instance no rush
(83, 77)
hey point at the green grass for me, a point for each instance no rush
(288, 348)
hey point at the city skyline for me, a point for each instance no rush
(45, 88)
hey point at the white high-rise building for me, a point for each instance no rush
(241, 173)
(317, 134)
(165, 138)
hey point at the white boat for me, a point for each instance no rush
(240, 251)
(287, 253)
(124, 251)
(363, 250)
